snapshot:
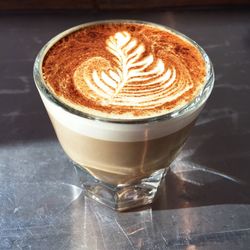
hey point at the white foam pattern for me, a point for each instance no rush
(136, 80)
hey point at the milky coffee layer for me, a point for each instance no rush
(124, 70)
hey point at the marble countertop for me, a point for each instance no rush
(204, 202)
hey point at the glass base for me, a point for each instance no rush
(122, 197)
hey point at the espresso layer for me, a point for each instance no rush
(124, 70)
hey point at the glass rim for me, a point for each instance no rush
(193, 105)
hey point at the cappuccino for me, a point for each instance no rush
(123, 97)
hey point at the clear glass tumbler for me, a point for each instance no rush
(124, 160)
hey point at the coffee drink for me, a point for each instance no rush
(122, 97)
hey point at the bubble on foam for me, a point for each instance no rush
(137, 81)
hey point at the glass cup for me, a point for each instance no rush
(124, 160)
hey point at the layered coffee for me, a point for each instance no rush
(121, 162)
(114, 84)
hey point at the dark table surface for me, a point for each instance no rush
(204, 202)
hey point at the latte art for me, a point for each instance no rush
(137, 81)
(124, 70)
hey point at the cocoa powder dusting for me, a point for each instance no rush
(70, 52)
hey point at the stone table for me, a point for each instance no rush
(204, 202)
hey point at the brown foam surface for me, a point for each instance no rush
(124, 69)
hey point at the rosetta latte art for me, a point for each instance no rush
(136, 80)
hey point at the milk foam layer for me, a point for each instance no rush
(127, 71)
(115, 131)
